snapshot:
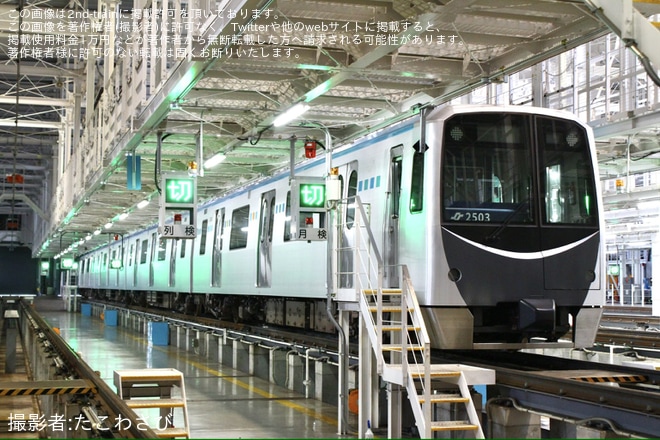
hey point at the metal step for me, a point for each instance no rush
(444, 398)
(398, 347)
(171, 432)
(435, 374)
(389, 309)
(385, 291)
(453, 425)
(155, 403)
(398, 328)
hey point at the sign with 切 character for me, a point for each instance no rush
(178, 209)
(308, 209)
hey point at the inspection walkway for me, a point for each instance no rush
(222, 402)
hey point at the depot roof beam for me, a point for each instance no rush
(631, 26)
(24, 198)
(36, 101)
(22, 123)
(39, 69)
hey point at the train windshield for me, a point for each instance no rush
(487, 169)
(489, 172)
(567, 178)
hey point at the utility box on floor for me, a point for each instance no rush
(110, 317)
(158, 333)
(86, 309)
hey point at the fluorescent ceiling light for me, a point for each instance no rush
(108, 225)
(143, 203)
(123, 215)
(97, 232)
(214, 160)
(291, 114)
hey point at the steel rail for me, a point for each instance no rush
(109, 400)
(540, 384)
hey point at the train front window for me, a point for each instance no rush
(567, 174)
(487, 169)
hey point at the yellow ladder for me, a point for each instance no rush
(161, 388)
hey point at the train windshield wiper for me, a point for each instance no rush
(493, 236)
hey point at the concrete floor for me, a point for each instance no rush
(222, 402)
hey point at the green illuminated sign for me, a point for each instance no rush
(45, 265)
(613, 270)
(115, 264)
(179, 190)
(312, 195)
(66, 263)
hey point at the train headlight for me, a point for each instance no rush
(455, 275)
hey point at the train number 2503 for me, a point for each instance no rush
(477, 216)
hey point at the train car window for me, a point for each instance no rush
(183, 249)
(130, 256)
(287, 218)
(105, 261)
(567, 183)
(417, 183)
(352, 192)
(202, 237)
(396, 165)
(487, 169)
(239, 227)
(162, 249)
(143, 251)
(271, 219)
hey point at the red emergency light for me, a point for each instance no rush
(310, 149)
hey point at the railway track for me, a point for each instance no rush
(101, 405)
(625, 400)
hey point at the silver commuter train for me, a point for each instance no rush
(497, 216)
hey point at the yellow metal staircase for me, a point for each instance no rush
(394, 323)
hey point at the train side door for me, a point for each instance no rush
(391, 248)
(216, 256)
(152, 259)
(265, 248)
(349, 178)
(104, 269)
(136, 262)
(173, 253)
(114, 271)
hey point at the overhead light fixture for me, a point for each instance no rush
(88, 237)
(108, 225)
(123, 215)
(143, 204)
(214, 160)
(97, 232)
(291, 114)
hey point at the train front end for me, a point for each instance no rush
(515, 252)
